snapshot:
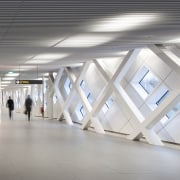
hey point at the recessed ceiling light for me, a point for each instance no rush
(12, 74)
(8, 78)
(76, 65)
(25, 68)
(4, 85)
(109, 59)
(46, 74)
(5, 82)
(122, 53)
(46, 58)
(35, 61)
(50, 56)
(177, 40)
(123, 22)
(86, 40)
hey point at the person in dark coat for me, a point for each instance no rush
(10, 106)
(28, 106)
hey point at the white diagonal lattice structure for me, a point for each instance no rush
(123, 68)
(114, 85)
(60, 98)
(145, 128)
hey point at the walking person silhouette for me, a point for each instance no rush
(28, 106)
(10, 106)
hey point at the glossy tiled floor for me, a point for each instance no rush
(49, 150)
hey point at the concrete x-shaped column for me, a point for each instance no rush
(120, 72)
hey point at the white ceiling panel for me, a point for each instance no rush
(29, 28)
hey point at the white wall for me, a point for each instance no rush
(167, 77)
(94, 80)
(119, 118)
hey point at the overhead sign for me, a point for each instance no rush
(28, 82)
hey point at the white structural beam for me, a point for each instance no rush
(59, 97)
(126, 64)
(170, 62)
(93, 113)
(107, 91)
(127, 103)
(176, 50)
(75, 84)
(50, 95)
(65, 105)
(114, 84)
(146, 127)
(90, 117)
(97, 125)
(21, 93)
(99, 67)
(122, 96)
(56, 87)
(51, 85)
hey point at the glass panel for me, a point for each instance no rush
(67, 85)
(107, 105)
(83, 112)
(90, 98)
(54, 99)
(80, 111)
(41, 96)
(149, 82)
(70, 85)
(174, 111)
(87, 92)
(35, 95)
(162, 97)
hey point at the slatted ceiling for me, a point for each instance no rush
(31, 27)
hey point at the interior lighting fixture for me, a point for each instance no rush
(86, 40)
(50, 56)
(8, 78)
(47, 43)
(25, 68)
(12, 74)
(110, 59)
(174, 41)
(35, 61)
(122, 53)
(124, 22)
(5, 82)
(76, 65)
(54, 74)
(4, 85)
(46, 74)
(45, 58)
